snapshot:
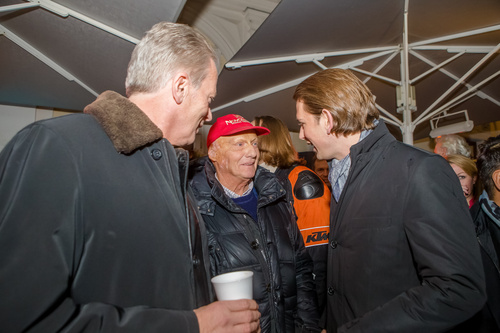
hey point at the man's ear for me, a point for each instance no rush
(180, 87)
(327, 121)
(212, 155)
(496, 179)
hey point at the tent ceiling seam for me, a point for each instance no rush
(456, 84)
(473, 90)
(65, 11)
(43, 58)
(454, 77)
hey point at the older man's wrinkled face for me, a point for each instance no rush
(440, 150)
(196, 108)
(321, 168)
(235, 158)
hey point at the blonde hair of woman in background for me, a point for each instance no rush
(276, 149)
(466, 171)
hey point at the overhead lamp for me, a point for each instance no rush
(459, 127)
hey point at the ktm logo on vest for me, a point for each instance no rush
(315, 237)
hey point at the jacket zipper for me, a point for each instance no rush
(257, 237)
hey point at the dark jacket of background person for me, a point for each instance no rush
(97, 242)
(407, 236)
(273, 249)
(488, 234)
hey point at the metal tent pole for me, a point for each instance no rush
(407, 127)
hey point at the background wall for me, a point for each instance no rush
(15, 118)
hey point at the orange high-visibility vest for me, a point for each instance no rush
(311, 201)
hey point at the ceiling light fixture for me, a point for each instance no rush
(463, 126)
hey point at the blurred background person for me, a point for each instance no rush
(466, 171)
(486, 216)
(308, 194)
(251, 226)
(321, 169)
(452, 144)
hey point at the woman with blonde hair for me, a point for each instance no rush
(276, 150)
(466, 171)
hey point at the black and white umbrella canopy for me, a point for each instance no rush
(441, 56)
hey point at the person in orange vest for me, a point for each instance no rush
(308, 194)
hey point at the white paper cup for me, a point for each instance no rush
(234, 285)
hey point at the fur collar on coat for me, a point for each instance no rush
(126, 125)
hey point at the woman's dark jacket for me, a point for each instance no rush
(97, 233)
(403, 255)
(271, 247)
(488, 236)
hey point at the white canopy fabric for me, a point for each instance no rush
(62, 54)
(447, 49)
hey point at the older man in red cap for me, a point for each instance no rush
(251, 226)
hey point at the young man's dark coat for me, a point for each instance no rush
(403, 255)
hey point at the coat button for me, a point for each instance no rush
(333, 244)
(156, 154)
(255, 245)
(331, 291)
(196, 261)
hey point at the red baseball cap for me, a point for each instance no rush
(231, 124)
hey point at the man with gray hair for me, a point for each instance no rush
(452, 144)
(97, 229)
(251, 226)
